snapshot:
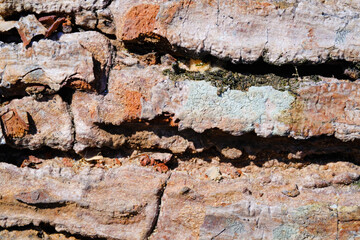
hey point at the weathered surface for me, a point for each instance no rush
(102, 54)
(254, 207)
(88, 135)
(28, 28)
(93, 202)
(133, 119)
(43, 6)
(32, 124)
(145, 93)
(48, 65)
(280, 32)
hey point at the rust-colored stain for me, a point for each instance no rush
(132, 103)
(81, 85)
(139, 20)
(31, 162)
(47, 21)
(23, 37)
(54, 26)
(145, 160)
(318, 109)
(15, 126)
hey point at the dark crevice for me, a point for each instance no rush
(17, 156)
(147, 43)
(44, 229)
(320, 150)
(335, 69)
(66, 94)
(157, 215)
(11, 36)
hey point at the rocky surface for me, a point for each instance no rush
(314, 30)
(34, 197)
(179, 119)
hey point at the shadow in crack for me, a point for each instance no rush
(249, 147)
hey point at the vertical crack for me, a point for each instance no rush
(66, 95)
(218, 13)
(156, 218)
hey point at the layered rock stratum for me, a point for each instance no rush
(188, 119)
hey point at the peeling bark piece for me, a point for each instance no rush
(89, 135)
(139, 20)
(29, 27)
(15, 126)
(47, 63)
(66, 26)
(47, 20)
(102, 53)
(48, 123)
(279, 31)
(54, 26)
(93, 203)
(8, 8)
(38, 197)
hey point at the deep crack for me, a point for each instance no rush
(157, 215)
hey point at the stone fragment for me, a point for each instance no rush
(102, 53)
(291, 192)
(86, 19)
(28, 28)
(143, 93)
(349, 213)
(16, 126)
(315, 181)
(214, 173)
(29, 123)
(47, 63)
(105, 21)
(162, 157)
(231, 153)
(6, 26)
(346, 178)
(93, 203)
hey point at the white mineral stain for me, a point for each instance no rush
(256, 109)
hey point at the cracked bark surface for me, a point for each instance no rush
(190, 119)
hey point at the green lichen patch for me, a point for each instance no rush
(357, 183)
(224, 79)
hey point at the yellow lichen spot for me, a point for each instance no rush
(196, 65)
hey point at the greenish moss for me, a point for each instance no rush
(357, 183)
(224, 80)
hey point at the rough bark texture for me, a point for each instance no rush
(190, 119)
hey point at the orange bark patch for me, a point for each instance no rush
(318, 109)
(139, 20)
(132, 103)
(15, 126)
(80, 85)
